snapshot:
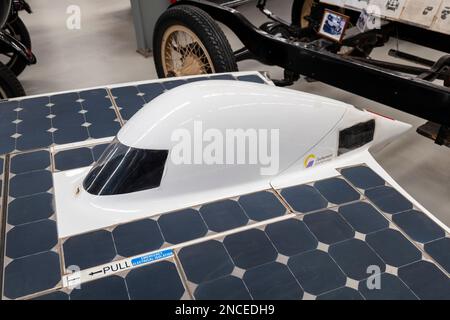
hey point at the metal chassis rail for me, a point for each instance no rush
(406, 93)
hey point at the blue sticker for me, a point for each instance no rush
(152, 257)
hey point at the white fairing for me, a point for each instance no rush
(308, 125)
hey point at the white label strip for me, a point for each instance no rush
(76, 278)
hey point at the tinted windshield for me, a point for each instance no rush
(123, 169)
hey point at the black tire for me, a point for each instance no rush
(18, 30)
(204, 27)
(10, 86)
(296, 10)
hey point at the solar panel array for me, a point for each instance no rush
(318, 243)
(310, 241)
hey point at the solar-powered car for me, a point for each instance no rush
(214, 139)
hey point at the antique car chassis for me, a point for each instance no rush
(406, 88)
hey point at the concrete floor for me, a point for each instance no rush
(103, 52)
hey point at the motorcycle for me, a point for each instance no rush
(15, 42)
(9, 84)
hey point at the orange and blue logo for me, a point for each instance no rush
(310, 160)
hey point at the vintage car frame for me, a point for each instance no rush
(403, 87)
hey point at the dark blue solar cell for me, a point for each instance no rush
(362, 177)
(95, 100)
(70, 118)
(291, 237)
(110, 288)
(354, 257)
(89, 249)
(35, 140)
(250, 248)
(391, 288)
(388, 199)
(7, 144)
(223, 215)
(363, 217)
(98, 150)
(328, 226)
(182, 226)
(7, 130)
(104, 129)
(8, 106)
(173, 83)
(129, 105)
(205, 261)
(316, 272)
(337, 190)
(57, 295)
(37, 115)
(418, 226)
(100, 116)
(32, 274)
(7, 109)
(151, 90)
(272, 281)
(94, 94)
(64, 112)
(426, 280)
(262, 206)
(344, 293)
(30, 161)
(226, 288)
(29, 209)
(124, 91)
(72, 159)
(31, 238)
(29, 128)
(158, 281)
(137, 237)
(251, 78)
(221, 77)
(34, 103)
(64, 98)
(393, 247)
(7, 119)
(30, 183)
(70, 134)
(440, 251)
(1, 165)
(304, 198)
(67, 116)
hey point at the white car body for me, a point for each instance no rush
(309, 126)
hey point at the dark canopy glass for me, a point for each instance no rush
(122, 169)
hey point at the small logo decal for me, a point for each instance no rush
(310, 160)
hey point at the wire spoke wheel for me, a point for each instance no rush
(305, 12)
(187, 42)
(184, 54)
